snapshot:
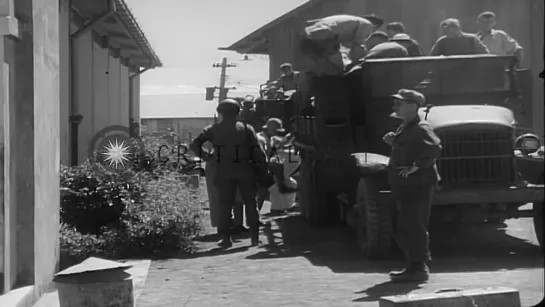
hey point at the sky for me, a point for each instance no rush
(186, 35)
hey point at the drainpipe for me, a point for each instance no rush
(75, 117)
(134, 126)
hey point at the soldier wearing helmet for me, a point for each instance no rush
(235, 149)
(412, 174)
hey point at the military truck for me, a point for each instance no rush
(471, 101)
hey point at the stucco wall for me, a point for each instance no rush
(46, 141)
(64, 66)
(31, 157)
(101, 85)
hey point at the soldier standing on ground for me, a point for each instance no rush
(497, 41)
(235, 145)
(456, 42)
(413, 177)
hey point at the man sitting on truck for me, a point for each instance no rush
(289, 80)
(379, 47)
(396, 32)
(456, 42)
(497, 41)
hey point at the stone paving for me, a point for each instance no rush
(300, 266)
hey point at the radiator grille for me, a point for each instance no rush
(477, 158)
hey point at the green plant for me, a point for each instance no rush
(152, 216)
(95, 197)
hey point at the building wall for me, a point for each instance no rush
(64, 66)
(522, 19)
(30, 121)
(101, 89)
(135, 97)
(186, 128)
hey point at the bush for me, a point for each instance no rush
(135, 213)
(95, 197)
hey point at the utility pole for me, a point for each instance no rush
(223, 79)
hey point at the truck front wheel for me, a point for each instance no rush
(374, 226)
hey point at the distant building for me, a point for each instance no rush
(185, 114)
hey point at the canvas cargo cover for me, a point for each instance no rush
(438, 76)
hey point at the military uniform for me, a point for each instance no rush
(235, 147)
(415, 144)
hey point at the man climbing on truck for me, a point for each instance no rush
(325, 37)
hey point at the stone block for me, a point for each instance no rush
(497, 297)
(95, 282)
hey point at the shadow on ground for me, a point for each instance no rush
(374, 293)
(468, 249)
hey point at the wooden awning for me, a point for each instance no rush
(120, 26)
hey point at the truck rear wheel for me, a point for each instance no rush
(314, 200)
(538, 222)
(375, 225)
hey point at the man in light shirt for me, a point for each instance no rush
(497, 41)
(457, 42)
(323, 38)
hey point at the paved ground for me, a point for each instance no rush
(300, 266)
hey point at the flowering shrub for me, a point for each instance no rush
(134, 213)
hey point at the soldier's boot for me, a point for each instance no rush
(225, 241)
(418, 272)
(254, 236)
(401, 272)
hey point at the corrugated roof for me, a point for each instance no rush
(256, 42)
(121, 27)
(128, 19)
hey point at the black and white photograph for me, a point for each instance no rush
(255, 153)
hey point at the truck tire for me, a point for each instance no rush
(314, 198)
(538, 222)
(375, 226)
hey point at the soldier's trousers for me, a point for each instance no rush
(413, 208)
(227, 190)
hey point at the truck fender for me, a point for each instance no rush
(370, 163)
(531, 168)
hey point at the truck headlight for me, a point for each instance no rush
(528, 143)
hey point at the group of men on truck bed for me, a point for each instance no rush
(335, 44)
